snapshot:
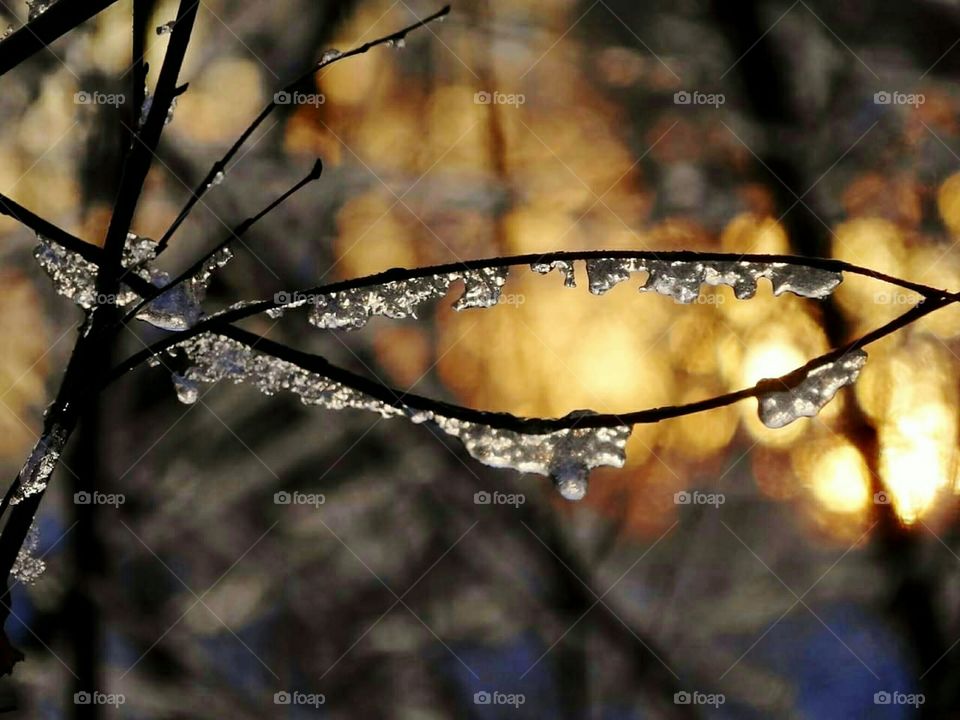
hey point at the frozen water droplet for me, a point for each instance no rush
(166, 28)
(401, 42)
(777, 409)
(481, 287)
(564, 266)
(179, 308)
(571, 481)
(216, 180)
(391, 42)
(604, 273)
(7, 33)
(169, 118)
(330, 55)
(187, 390)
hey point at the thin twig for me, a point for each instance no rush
(235, 234)
(220, 166)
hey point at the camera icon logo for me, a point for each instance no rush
(881, 698)
(82, 698)
(281, 698)
(682, 498)
(282, 98)
(282, 298)
(482, 497)
(482, 698)
(482, 98)
(881, 498)
(81, 97)
(682, 698)
(282, 498)
(882, 98)
(682, 97)
(82, 498)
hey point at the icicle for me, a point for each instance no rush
(681, 279)
(777, 409)
(216, 180)
(571, 481)
(166, 28)
(482, 287)
(36, 8)
(401, 43)
(27, 567)
(188, 391)
(564, 266)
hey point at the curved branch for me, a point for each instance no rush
(540, 426)
(218, 321)
(88, 251)
(220, 165)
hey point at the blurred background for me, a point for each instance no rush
(808, 572)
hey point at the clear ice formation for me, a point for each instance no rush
(778, 409)
(27, 567)
(564, 266)
(350, 309)
(566, 455)
(681, 279)
(36, 471)
(177, 309)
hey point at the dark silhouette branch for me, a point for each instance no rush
(59, 19)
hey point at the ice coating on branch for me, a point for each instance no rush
(350, 309)
(179, 308)
(681, 279)
(27, 567)
(36, 471)
(76, 278)
(215, 357)
(330, 55)
(565, 455)
(397, 299)
(778, 409)
(564, 266)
